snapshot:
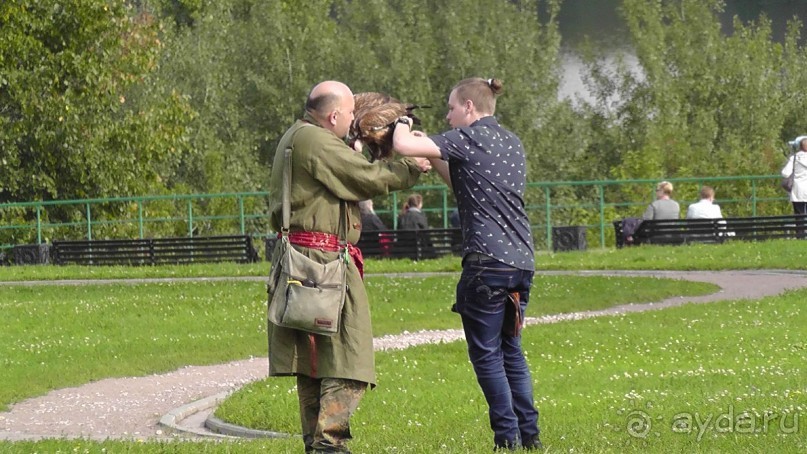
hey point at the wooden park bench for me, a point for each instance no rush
(411, 244)
(155, 251)
(682, 231)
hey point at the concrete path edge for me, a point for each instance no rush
(213, 426)
(172, 419)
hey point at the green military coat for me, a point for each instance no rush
(325, 171)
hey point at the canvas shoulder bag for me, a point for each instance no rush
(304, 294)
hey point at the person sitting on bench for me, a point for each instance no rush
(705, 208)
(664, 207)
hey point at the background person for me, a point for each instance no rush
(498, 257)
(705, 208)
(412, 216)
(454, 219)
(798, 196)
(332, 372)
(664, 207)
(412, 222)
(370, 222)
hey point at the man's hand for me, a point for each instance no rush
(424, 164)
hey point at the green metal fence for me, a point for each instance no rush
(596, 204)
(133, 217)
(593, 204)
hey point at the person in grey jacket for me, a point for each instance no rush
(798, 195)
(664, 207)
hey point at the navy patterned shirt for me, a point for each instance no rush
(489, 174)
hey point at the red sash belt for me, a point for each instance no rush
(326, 242)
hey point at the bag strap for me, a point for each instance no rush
(286, 197)
(286, 192)
(793, 156)
(286, 210)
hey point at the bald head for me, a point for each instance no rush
(326, 97)
(332, 104)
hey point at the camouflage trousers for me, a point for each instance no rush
(326, 405)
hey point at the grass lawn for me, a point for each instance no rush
(53, 337)
(724, 377)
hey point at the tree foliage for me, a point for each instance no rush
(122, 97)
(247, 67)
(706, 103)
(698, 101)
(68, 128)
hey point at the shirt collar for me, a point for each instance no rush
(490, 120)
(310, 119)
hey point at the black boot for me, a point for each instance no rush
(508, 446)
(533, 445)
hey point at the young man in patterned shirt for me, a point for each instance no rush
(486, 166)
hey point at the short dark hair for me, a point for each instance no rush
(707, 192)
(322, 104)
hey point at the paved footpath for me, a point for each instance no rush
(132, 408)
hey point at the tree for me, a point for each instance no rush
(417, 50)
(68, 129)
(705, 103)
(246, 67)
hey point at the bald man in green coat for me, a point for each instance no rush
(332, 371)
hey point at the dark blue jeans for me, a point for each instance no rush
(497, 358)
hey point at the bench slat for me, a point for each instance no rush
(682, 231)
(236, 248)
(412, 244)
